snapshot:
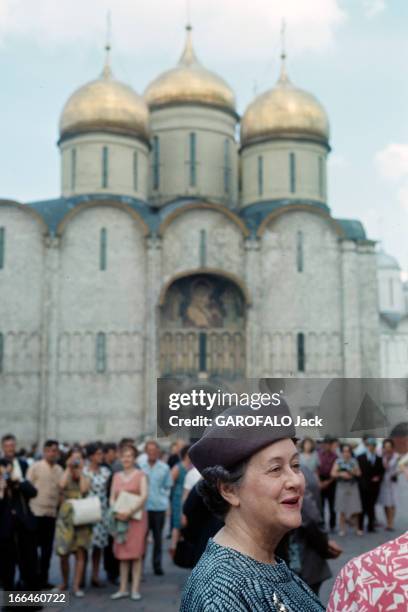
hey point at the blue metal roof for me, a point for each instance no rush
(54, 211)
(254, 214)
(353, 229)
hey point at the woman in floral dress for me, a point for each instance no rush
(71, 539)
(98, 475)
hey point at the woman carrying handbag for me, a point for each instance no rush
(71, 538)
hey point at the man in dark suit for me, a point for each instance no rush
(17, 530)
(17, 523)
(372, 471)
(9, 451)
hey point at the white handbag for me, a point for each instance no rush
(87, 511)
(126, 502)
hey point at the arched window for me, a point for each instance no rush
(301, 360)
(321, 176)
(292, 172)
(260, 175)
(1, 352)
(103, 245)
(73, 167)
(101, 353)
(105, 167)
(202, 351)
(2, 246)
(391, 291)
(203, 248)
(299, 251)
(135, 171)
(156, 162)
(193, 159)
(227, 166)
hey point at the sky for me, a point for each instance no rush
(352, 54)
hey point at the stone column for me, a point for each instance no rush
(253, 328)
(47, 424)
(369, 311)
(350, 310)
(151, 370)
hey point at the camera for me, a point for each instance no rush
(5, 473)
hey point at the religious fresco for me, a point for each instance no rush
(203, 302)
(203, 328)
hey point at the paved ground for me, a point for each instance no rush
(162, 593)
(354, 545)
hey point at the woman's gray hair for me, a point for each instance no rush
(208, 488)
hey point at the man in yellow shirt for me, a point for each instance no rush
(45, 475)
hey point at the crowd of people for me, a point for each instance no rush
(37, 511)
(39, 515)
(353, 479)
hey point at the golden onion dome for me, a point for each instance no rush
(190, 82)
(105, 105)
(285, 111)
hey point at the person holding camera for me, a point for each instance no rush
(17, 529)
(347, 503)
(71, 539)
(9, 451)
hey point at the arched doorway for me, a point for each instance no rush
(202, 328)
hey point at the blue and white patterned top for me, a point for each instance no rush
(225, 580)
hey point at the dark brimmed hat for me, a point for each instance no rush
(230, 444)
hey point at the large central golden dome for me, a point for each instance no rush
(190, 82)
(105, 105)
(285, 111)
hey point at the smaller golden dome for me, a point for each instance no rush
(190, 82)
(105, 105)
(285, 111)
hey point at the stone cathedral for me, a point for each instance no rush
(181, 245)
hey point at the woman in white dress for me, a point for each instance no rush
(387, 496)
(347, 502)
(98, 475)
(308, 455)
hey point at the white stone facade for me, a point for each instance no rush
(104, 163)
(172, 256)
(267, 169)
(215, 173)
(59, 301)
(394, 318)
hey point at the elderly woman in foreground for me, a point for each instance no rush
(253, 481)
